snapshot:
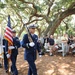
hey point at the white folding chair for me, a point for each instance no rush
(64, 49)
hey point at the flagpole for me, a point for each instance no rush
(9, 51)
(9, 60)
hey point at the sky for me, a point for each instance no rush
(2, 1)
(73, 20)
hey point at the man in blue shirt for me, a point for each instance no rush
(51, 43)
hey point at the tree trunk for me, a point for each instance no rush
(48, 28)
(19, 34)
(58, 20)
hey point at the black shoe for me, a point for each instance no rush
(6, 71)
(42, 53)
(11, 73)
(51, 54)
(0, 65)
(15, 74)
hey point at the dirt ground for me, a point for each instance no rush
(47, 65)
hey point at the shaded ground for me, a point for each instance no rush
(47, 65)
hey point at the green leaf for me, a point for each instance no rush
(38, 8)
(2, 5)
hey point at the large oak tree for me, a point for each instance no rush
(48, 14)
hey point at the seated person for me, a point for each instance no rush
(46, 45)
(65, 44)
(72, 45)
(41, 47)
(57, 43)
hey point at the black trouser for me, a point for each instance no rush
(13, 67)
(5, 62)
(32, 67)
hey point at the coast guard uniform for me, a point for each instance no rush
(30, 52)
(16, 44)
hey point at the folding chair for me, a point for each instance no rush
(46, 46)
(64, 49)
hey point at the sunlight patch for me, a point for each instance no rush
(65, 65)
(49, 72)
(63, 71)
(73, 62)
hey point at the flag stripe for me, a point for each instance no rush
(8, 33)
(9, 29)
(10, 42)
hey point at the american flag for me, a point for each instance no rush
(8, 32)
